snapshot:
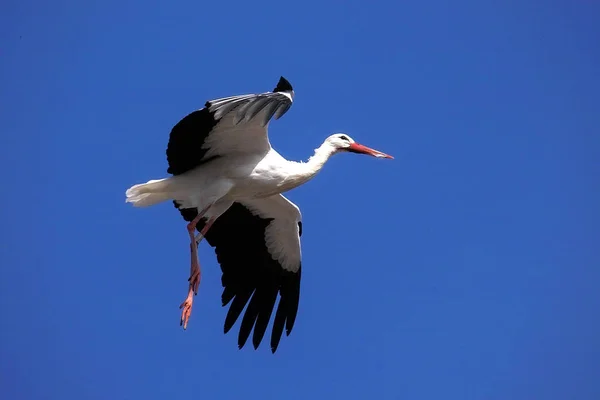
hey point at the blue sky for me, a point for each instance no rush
(466, 268)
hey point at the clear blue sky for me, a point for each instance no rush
(466, 268)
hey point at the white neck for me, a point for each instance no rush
(303, 172)
(318, 160)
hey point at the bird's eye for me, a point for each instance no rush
(344, 137)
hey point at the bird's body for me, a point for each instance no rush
(238, 176)
(227, 183)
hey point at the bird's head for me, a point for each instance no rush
(343, 142)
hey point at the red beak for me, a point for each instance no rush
(359, 148)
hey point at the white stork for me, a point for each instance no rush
(227, 183)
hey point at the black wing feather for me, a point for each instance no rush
(268, 299)
(283, 86)
(184, 151)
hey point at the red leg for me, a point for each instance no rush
(194, 278)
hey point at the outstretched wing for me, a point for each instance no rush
(257, 243)
(236, 124)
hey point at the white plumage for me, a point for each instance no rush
(227, 182)
(282, 235)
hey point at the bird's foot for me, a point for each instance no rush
(186, 309)
(186, 306)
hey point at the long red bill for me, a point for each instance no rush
(359, 148)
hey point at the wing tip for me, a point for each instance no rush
(283, 86)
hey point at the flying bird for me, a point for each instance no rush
(227, 183)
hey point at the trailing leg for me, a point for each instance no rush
(194, 279)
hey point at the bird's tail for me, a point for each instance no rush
(149, 193)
